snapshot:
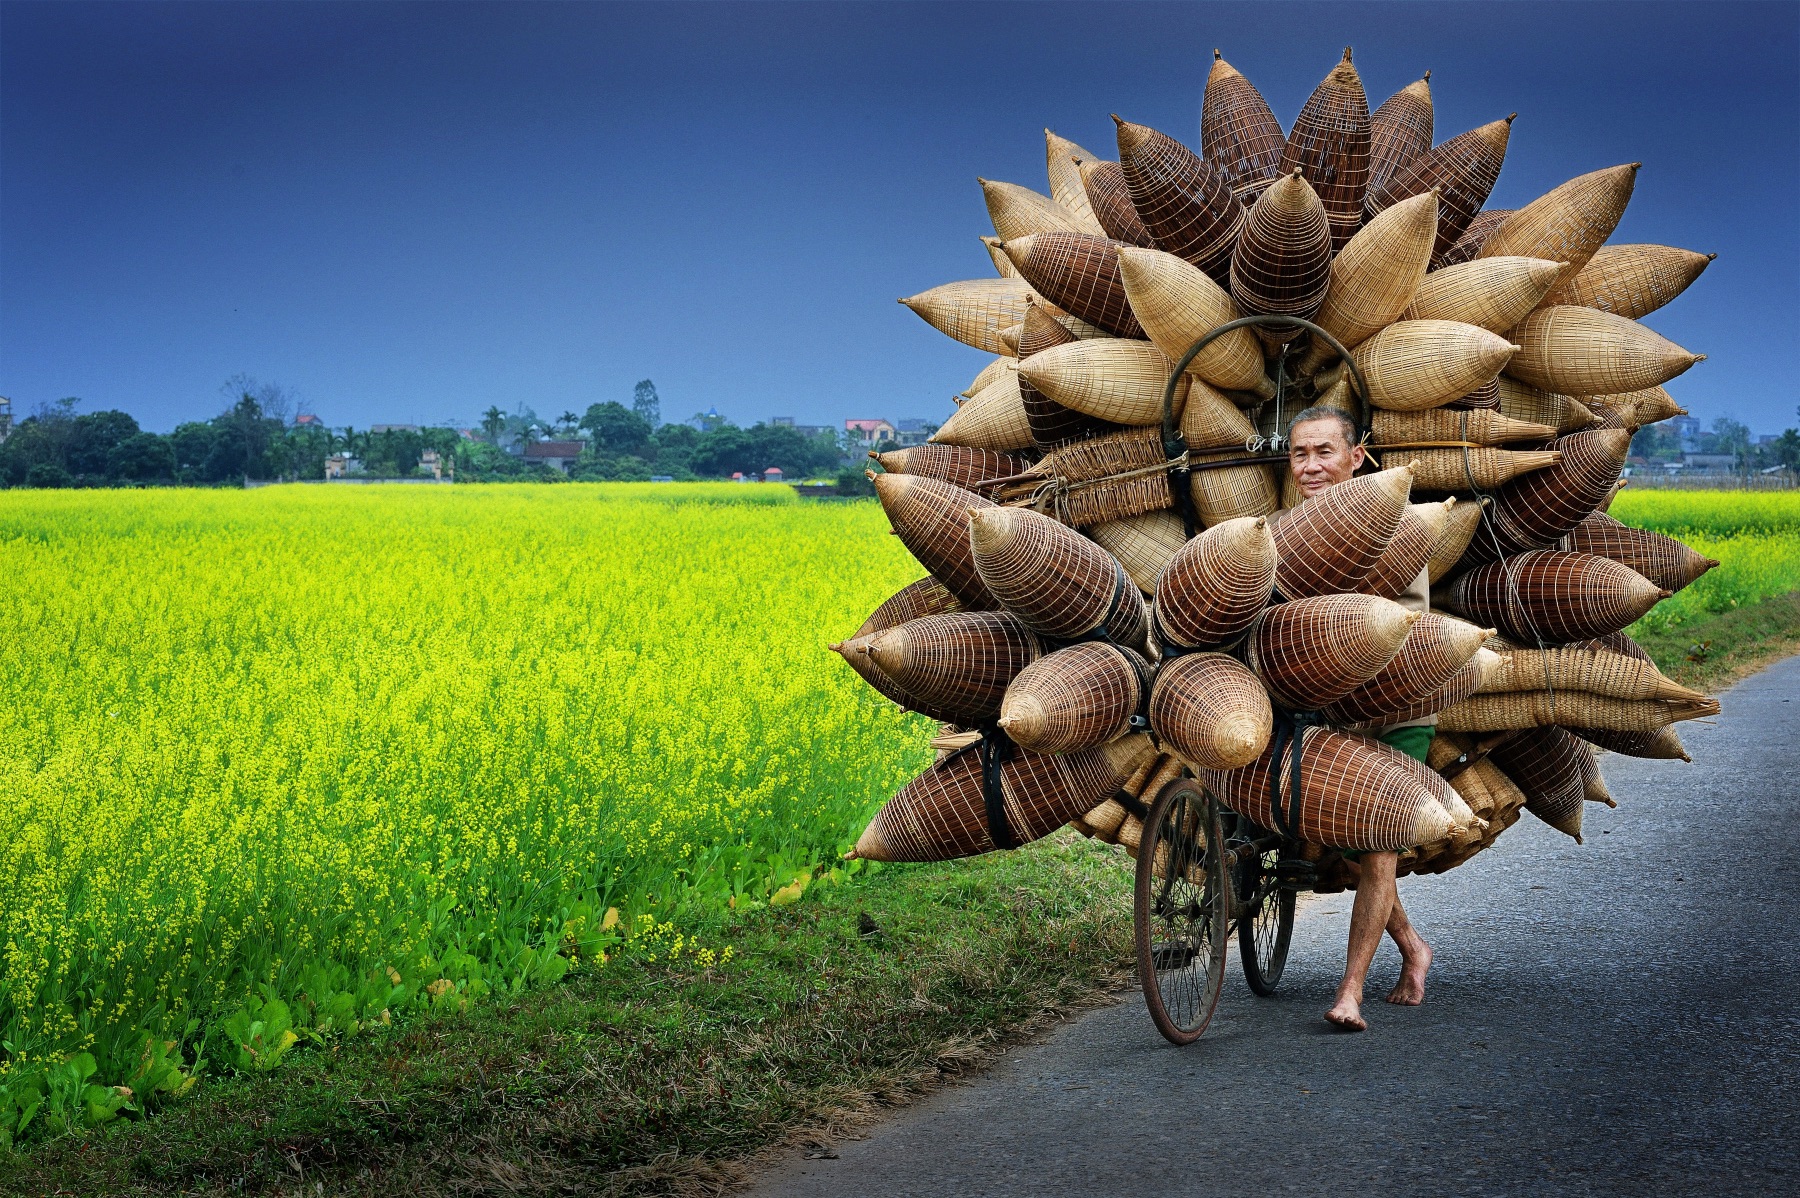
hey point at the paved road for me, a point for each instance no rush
(1617, 1018)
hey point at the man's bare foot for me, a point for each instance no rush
(1410, 990)
(1346, 1015)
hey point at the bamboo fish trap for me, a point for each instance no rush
(1330, 144)
(1282, 264)
(1550, 766)
(1020, 212)
(1462, 170)
(1066, 187)
(1665, 561)
(1310, 652)
(1331, 542)
(1052, 425)
(1434, 650)
(1399, 134)
(1541, 508)
(1211, 711)
(1110, 201)
(931, 518)
(1631, 280)
(1143, 544)
(1481, 227)
(1215, 585)
(1549, 595)
(1407, 555)
(1584, 351)
(1054, 579)
(1578, 709)
(926, 597)
(1079, 273)
(1185, 202)
(1491, 293)
(957, 465)
(1075, 698)
(1238, 132)
(957, 666)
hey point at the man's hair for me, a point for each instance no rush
(1324, 412)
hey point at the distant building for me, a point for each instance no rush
(707, 421)
(1709, 461)
(560, 454)
(869, 432)
(393, 428)
(1686, 429)
(339, 465)
(468, 434)
(913, 432)
(5, 418)
(308, 420)
(772, 474)
(781, 421)
(430, 461)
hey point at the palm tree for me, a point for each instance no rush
(493, 422)
(565, 424)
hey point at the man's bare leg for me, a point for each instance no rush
(1375, 897)
(1415, 958)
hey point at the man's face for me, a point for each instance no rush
(1320, 455)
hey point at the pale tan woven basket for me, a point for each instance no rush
(1066, 187)
(1375, 276)
(1143, 544)
(1114, 379)
(1584, 351)
(1020, 212)
(1211, 711)
(973, 311)
(1076, 698)
(1631, 280)
(1491, 293)
(1177, 304)
(1414, 364)
(1561, 412)
(1485, 426)
(1568, 223)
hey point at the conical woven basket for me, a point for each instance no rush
(959, 664)
(1054, 579)
(1075, 698)
(1019, 211)
(926, 597)
(1002, 264)
(1330, 144)
(1009, 338)
(1491, 293)
(1576, 709)
(957, 465)
(1539, 509)
(1282, 265)
(1662, 745)
(974, 311)
(1354, 794)
(1551, 595)
(1465, 682)
(931, 518)
(1143, 544)
(1238, 132)
(1066, 187)
(1079, 273)
(1460, 527)
(1568, 223)
(1211, 711)
(1232, 492)
(1215, 585)
(1375, 276)
(992, 419)
(941, 814)
(1631, 280)
(1662, 559)
(1111, 379)
(1405, 558)
(1095, 481)
(1185, 203)
(1414, 364)
(1483, 398)
(1052, 425)
(1434, 650)
(1479, 427)
(1561, 412)
(1331, 542)
(1550, 766)
(1581, 668)
(1399, 133)
(1177, 304)
(1469, 469)
(1468, 246)
(1635, 409)
(1211, 421)
(1584, 351)
(1310, 652)
(1462, 170)
(989, 374)
(1110, 201)
(855, 653)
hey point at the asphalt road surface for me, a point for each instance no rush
(1614, 1018)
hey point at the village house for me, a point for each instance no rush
(869, 432)
(560, 454)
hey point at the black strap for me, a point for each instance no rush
(1290, 726)
(1133, 804)
(996, 749)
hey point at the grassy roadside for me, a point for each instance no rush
(1711, 653)
(645, 1078)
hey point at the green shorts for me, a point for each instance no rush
(1415, 742)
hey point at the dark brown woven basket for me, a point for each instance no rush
(926, 597)
(959, 664)
(942, 814)
(1432, 654)
(958, 465)
(1330, 143)
(1079, 273)
(1211, 711)
(1465, 682)
(855, 653)
(1662, 745)
(1399, 132)
(1310, 652)
(1282, 266)
(1186, 203)
(931, 518)
(1407, 554)
(1468, 246)
(1662, 559)
(1238, 132)
(1463, 170)
(1550, 765)
(1552, 596)
(1111, 201)
(1054, 579)
(1538, 509)
(1331, 542)
(1215, 585)
(1052, 425)
(1075, 698)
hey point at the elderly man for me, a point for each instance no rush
(1323, 449)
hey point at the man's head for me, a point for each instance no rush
(1322, 449)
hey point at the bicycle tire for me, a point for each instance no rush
(1182, 907)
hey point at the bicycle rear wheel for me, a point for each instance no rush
(1266, 926)
(1182, 910)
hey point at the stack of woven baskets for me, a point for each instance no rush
(1124, 584)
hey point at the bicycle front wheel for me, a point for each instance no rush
(1183, 909)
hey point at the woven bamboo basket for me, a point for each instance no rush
(1662, 559)
(1186, 203)
(1374, 277)
(1552, 595)
(1465, 682)
(931, 518)
(1078, 273)
(941, 814)
(1550, 767)
(1224, 493)
(992, 419)
(1066, 187)
(1635, 409)
(1465, 824)
(1092, 482)
(1584, 351)
(1113, 823)
(1238, 132)
(1539, 509)
(1211, 711)
(1462, 169)
(1075, 698)
(987, 375)
(1211, 421)
(1177, 304)
(1562, 412)
(1110, 201)
(926, 597)
(1406, 557)
(1009, 338)
(1491, 293)
(1330, 142)
(1415, 364)
(1484, 398)
(855, 653)
(1467, 469)
(1468, 246)
(1331, 542)
(1052, 425)
(1399, 133)
(957, 465)
(1434, 651)
(1019, 211)
(1054, 579)
(1143, 544)
(1282, 265)
(1568, 223)
(973, 311)
(1631, 280)
(1460, 527)
(1310, 652)
(1477, 427)
(1596, 671)
(1215, 585)
(1002, 264)
(956, 665)
(1662, 745)
(1355, 793)
(1112, 379)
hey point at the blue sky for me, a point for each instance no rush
(410, 212)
